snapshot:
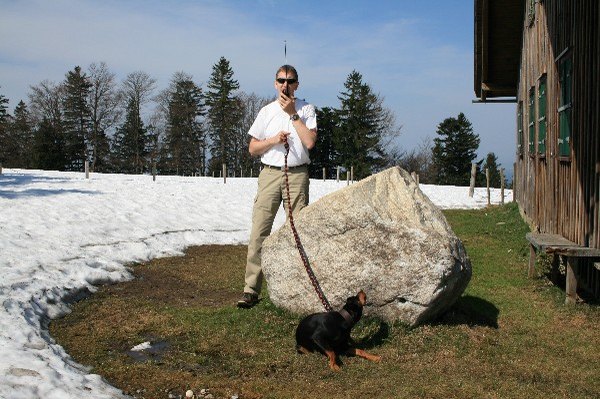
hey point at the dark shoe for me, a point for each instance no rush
(247, 301)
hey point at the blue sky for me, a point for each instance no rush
(417, 54)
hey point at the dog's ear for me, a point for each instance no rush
(362, 297)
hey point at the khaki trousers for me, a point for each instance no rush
(271, 192)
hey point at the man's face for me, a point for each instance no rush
(286, 82)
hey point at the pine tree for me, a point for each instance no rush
(130, 144)
(76, 118)
(48, 147)
(185, 140)
(361, 128)
(5, 140)
(223, 114)
(22, 129)
(323, 154)
(454, 150)
(132, 139)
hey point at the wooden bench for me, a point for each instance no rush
(556, 245)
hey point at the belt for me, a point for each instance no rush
(290, 168)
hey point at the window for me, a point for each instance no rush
(532, 121)
(520, 129)
(565, 71)
(542, 120)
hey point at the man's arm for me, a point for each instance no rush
(259, 147)
(308, 137)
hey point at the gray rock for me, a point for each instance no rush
(381, 235)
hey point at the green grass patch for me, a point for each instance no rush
(506, 337)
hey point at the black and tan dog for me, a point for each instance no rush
(329, 332)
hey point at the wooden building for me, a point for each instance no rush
(545, 56)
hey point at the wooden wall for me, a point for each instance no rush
(560, 194)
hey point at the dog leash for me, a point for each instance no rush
(309, 271)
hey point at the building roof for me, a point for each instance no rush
(498, 38)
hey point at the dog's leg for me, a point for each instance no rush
(363, 354)
(332, 361)
(302, 349)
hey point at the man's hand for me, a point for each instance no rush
(288, 104)
(281, 137)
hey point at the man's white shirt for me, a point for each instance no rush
(271, 119)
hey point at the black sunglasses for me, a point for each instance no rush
(290, 81)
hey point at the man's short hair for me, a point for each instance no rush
(287, 69)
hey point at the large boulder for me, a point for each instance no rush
(381, 235)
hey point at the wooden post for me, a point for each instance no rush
(153, 171)
(0, 168)
(502, 186)
(224, 173)
(352, 174)
(324, 174)
(571, 283)
(487, 183)
(347, 177)
(337, 174)
(472, 184)
(87, 168)
(251, 172)
(241, 172)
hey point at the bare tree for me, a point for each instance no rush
(250, 105)
(104, 104)
(45, 101)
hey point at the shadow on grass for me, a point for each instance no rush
(472, 311)
(375, 338)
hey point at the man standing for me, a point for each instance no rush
(291, 120)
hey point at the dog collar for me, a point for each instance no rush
(346, 316)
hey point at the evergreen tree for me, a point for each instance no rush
(130, 145)
(362, 125)
(132, 140)
(22, 129)
(76, 118)
(5, 140)
(493, 167)
(48, 147)
(223, 114)
(454, 151)
(323, 154)
(185, 140)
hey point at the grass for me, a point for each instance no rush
(506, 337)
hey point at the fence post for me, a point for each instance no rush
(487, 183)
(153, 171)
(352, 174)
(0, 168)
(323, 174)
(87, 169)
(502, 186)
(224, 174)
(347, 178)
(338, 174)
(472, 183)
